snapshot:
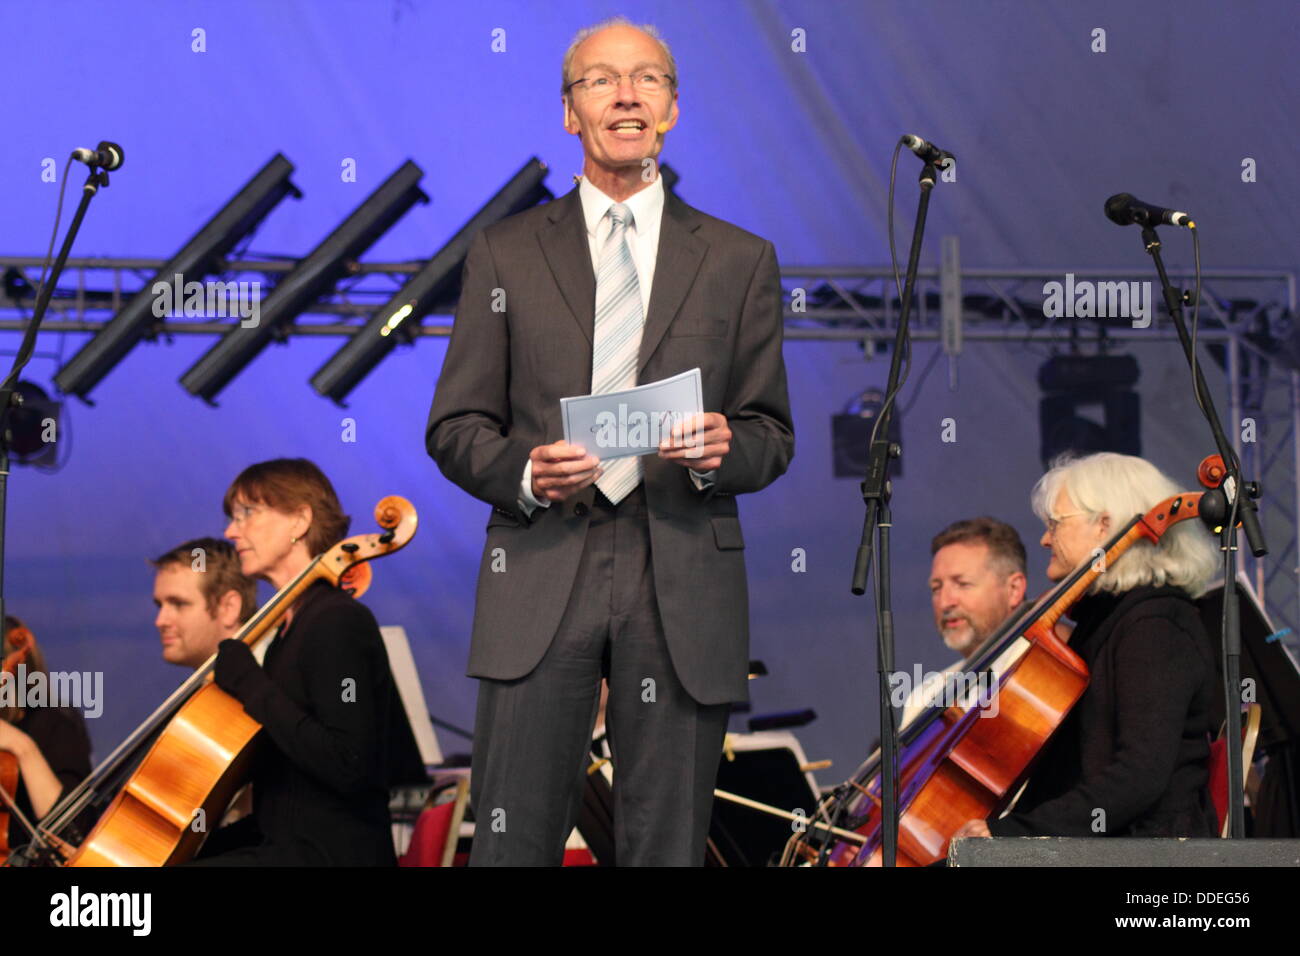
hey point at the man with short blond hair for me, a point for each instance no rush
(634, 570)
(202, 599)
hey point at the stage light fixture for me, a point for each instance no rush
(17, 288)
(851, 434)
(1075, 387)
(312, 278)
(435, 287)
(200, 257)
(36, 425)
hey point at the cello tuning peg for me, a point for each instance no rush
(386, 537)
(351, 547)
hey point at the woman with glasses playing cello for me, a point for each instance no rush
(332, 721)
(1131, 758)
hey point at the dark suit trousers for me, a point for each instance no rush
(532, 738)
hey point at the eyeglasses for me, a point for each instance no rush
(241, 513)
(600, 85)
(1054, 523)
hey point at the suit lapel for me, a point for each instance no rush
(564, 244)
(678, 261)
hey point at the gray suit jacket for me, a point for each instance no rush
(522, 340)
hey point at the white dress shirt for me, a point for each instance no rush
(647, 209)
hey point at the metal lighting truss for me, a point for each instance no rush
(1247, 322)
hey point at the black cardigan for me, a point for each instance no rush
(1136, 745)
(331, 716)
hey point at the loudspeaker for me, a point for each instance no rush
(851, 435)
(1116, 851)
(1075, 388)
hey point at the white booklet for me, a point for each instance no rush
(632, 421)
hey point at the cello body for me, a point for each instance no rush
(181, 788)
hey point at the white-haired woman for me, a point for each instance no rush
(1130, 758)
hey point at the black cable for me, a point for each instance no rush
(29, 341)
(898, 285)
(925, 373)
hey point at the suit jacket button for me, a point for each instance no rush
(580, 509)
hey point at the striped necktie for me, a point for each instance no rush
(617, 339)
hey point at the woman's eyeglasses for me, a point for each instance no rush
(1054, 523)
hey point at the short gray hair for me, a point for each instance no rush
(595, 28)
(1123, 486)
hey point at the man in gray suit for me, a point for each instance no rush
(635, 570)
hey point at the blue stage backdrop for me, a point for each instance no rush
(792, 145)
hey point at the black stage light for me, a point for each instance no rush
(851, 435)
(200, 257)
(436, 286)
(35, 427)
(1074, 387)
(17, 288)
(312, 278)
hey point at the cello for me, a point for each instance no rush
(198, 745)
(21, 641)
(966, 760)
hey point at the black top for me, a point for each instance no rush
(330, 711)
(60, 732)
(1130, 758)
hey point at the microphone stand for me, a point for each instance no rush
(9, 396)
(876, 491)
(1240, 500)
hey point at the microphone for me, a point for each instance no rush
(929, 152)
(107, 155)
(1123, 210)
